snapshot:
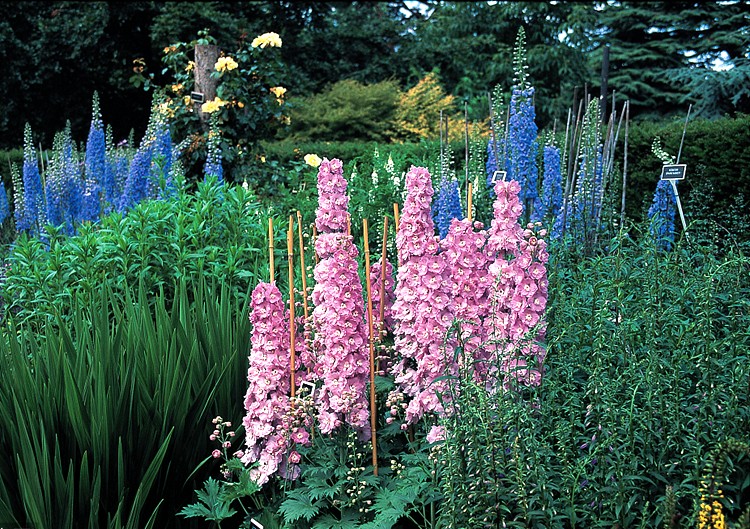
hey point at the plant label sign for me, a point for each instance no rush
(673, 172)
(498, 176)
(197, 97)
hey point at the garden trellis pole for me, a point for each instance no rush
(373, 409)
(270, 250)
(292, 330)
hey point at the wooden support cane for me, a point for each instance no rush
(292, 333)
(302, 265)
(270, 249)
(373, 410)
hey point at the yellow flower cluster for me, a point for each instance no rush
(165, 109)
(212, 106)
(225, 63)
(313, 160)
(272, 40)
(278, 91)
(190, 66)
(711, 515)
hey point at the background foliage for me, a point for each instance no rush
(95, 43)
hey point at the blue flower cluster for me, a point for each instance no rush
(4, 208)
(32, 218)
(213, 158)
(447, 205)
(661, 214)
(518, 153)
(552, 192)
(80, 187)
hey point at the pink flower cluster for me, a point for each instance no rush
(516, 325)
(390, 296)
(267, 400)
(464, 250)
(422, 307)
(341, 339)
(332, 214)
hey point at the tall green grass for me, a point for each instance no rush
(106, 413)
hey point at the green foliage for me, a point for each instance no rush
(218, 231)
(714, 151)
(646, 372)
(347, 110)
(211, 507)
(102, 407)
(654, 47)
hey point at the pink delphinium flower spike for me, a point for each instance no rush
(464, 250)
(518, 296)
(341, 339)
(267, 399)
(421, 311)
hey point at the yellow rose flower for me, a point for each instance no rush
(240, 104)
(271, 40)
(190, 66)
(177, 87)
(188, 102)
(212, 106)
(313, 160)
(225, 63)
(263, 159)
(278, 91)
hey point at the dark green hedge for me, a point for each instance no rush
(716, 152)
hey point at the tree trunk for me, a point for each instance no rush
(206, 56)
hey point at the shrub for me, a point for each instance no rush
(347, 110)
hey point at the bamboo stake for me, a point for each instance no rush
(466, 149)
(315, 239)
(373, 410)
(270, 249)
(441, 145)
(302, 265)
(492, 129)
(625, 165)
(395, 226)
(684, 130)
(468, 203)
(292, 333)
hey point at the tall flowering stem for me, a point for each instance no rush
(552, 193)
(515, 326)
(33, 200)
(447, 205)
(522, 149)
(342, 363)
(267, 400)
(95, 165)
(467, 261)
(662, 214)
(422, 307)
